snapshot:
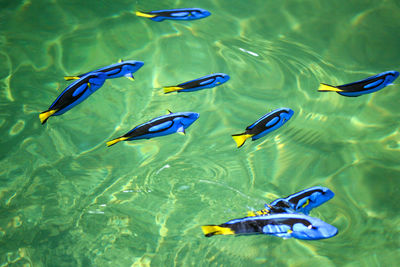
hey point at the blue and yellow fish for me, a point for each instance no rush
(267, 123)
(303, 201)
(120, 69)
(366, 86)
(208, 81)
(74, 94)
(175, 14)
(163, 125)
(282, 225)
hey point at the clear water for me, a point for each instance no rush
(68, 200)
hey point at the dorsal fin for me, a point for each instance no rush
(169, 111)
(120, 60)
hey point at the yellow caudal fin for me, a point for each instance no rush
(116, 140)
(44, 116)
(69, 78)
(241, 138)
(323, 87)
(170, 89)
(144, 15)
(210, 230)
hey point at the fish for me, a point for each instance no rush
(362, 87)
(303, 201)
(120, 69)
(282, 225)
(74, 94)
(208, 81)
(267, 123)
(160, 126)
(175, 14)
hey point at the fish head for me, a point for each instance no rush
(286, 114)
(316, 229)
(199, 13)
(96, 78)
(132, 66)
(188, 118)
(391, 76)
(318, 196)
(221, 78)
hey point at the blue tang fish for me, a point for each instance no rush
(303, 201)
(120, 69)
(74, 94)
(366, 86)
(208, 81)
(282, 225)
(267, 123)
(175, 14)
(163, 125)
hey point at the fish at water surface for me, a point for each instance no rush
(175, 14)
(205, 82)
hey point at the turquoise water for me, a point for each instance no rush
(68, 200)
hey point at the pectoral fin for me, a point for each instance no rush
(210, 230)
(69, 78)
(116, 140)
(144, 15)
(130, 76)
(328, 88)
(44, 116)
(181, 130)
(241, 138)
(170, 89)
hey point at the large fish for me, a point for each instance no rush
(120, 69)
(208, 81)
(163, 125)
(175, 14)
(282, 225)
(267, 123)
(366, 86)
(74, 94)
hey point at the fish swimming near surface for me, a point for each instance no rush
(74, 94)
(282, 225)
(366, 86)
(208, 81)
(120, 69)
(175, 14)
(303, 201)
(267, 123)
(163, 125)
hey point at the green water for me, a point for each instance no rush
(68, 200)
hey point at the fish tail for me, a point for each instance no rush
(323, 87)
(116, 140)
(45, 115)
(69, 78)
(241, 138)
(170, 89)
(144, 15)
(210, 230)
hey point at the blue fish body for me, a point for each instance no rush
(366, 86)
(160, 126)
(282, 225)
(74, 94)
(266, 124)
(303, 201)
(205, 82)
(120, 69)
(175, 14)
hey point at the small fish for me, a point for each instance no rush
(267, 123)
(163, 125)
(208, 81)
(366, 86)
(122, 68)
(303, 201)
(175, 14)
(282, 225)
(74, 94)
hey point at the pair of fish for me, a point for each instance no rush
(362, 87)
(282, 218)
(175, 14)
(86, 84)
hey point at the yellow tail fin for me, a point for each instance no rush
(68, 78)
(323, 87)
(210, 230)
(241, 138)
(44, 116)
(116, 140)
(170, 89)
(144, 15)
